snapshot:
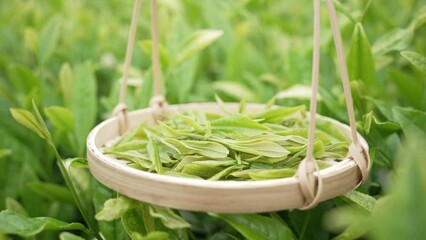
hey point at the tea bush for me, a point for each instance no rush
(65, 58)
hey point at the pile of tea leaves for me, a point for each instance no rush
(260, 145)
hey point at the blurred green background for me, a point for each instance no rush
(68, 55)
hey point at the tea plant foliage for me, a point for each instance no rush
(60, 65)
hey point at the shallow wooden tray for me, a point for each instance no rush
(204, 195)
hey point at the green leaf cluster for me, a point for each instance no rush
(259, 145)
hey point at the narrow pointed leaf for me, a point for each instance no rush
(14, 223)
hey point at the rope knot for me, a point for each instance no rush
(358, 154)
(159, 106)
(121, 112)
(311, 189)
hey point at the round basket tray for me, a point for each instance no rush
(211, 196)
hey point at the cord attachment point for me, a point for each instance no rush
(310, 187)
(360, 156)
(159, 107)
(121, 112)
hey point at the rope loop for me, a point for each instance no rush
(121, 112)
(311, 187)
(159, 107)
(360, 157)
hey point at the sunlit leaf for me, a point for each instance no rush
(27, 119)
(69, 236)
(197, 42)
(115, 208)
(65, 80)
(416, 59)
(297, 92)
(151, 236)
(235, 90)
(5, 152)
(360, 201)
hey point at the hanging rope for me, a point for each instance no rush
(121, 109)
(158, 103)
(311, 189)
(355, 150)
(155, 51)
(308, 166)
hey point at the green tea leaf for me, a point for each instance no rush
(359, 201)
(272, 173)
(257, 227)
(187, 160)
(13, 223)
(143, 160)
(416, 59)
(207, 148)
(207, 168)
(76, 162)
(146, 46)
(386, 128)
(277, 114)
(394, 40)
(69, 236)
(401, 214)
(84, 101)
(190, 121)
(181, 174)
(411, 89)
(133, 222)
(101, 194)
(196, 42)
(151, 236)
(114, 208)
(129, 145)
(60, 117)
(411, 119)
(237, 123)
(235, 90)
(360, 58)
(168, 217)
(258, 147)
(52, 191)
(332, 131)
(297, 91)
(27, 119)
(222, 174)
(154, 156)
(13, 205)
(23, 79)
(5, 152)
(65, 79)
(48, 40)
